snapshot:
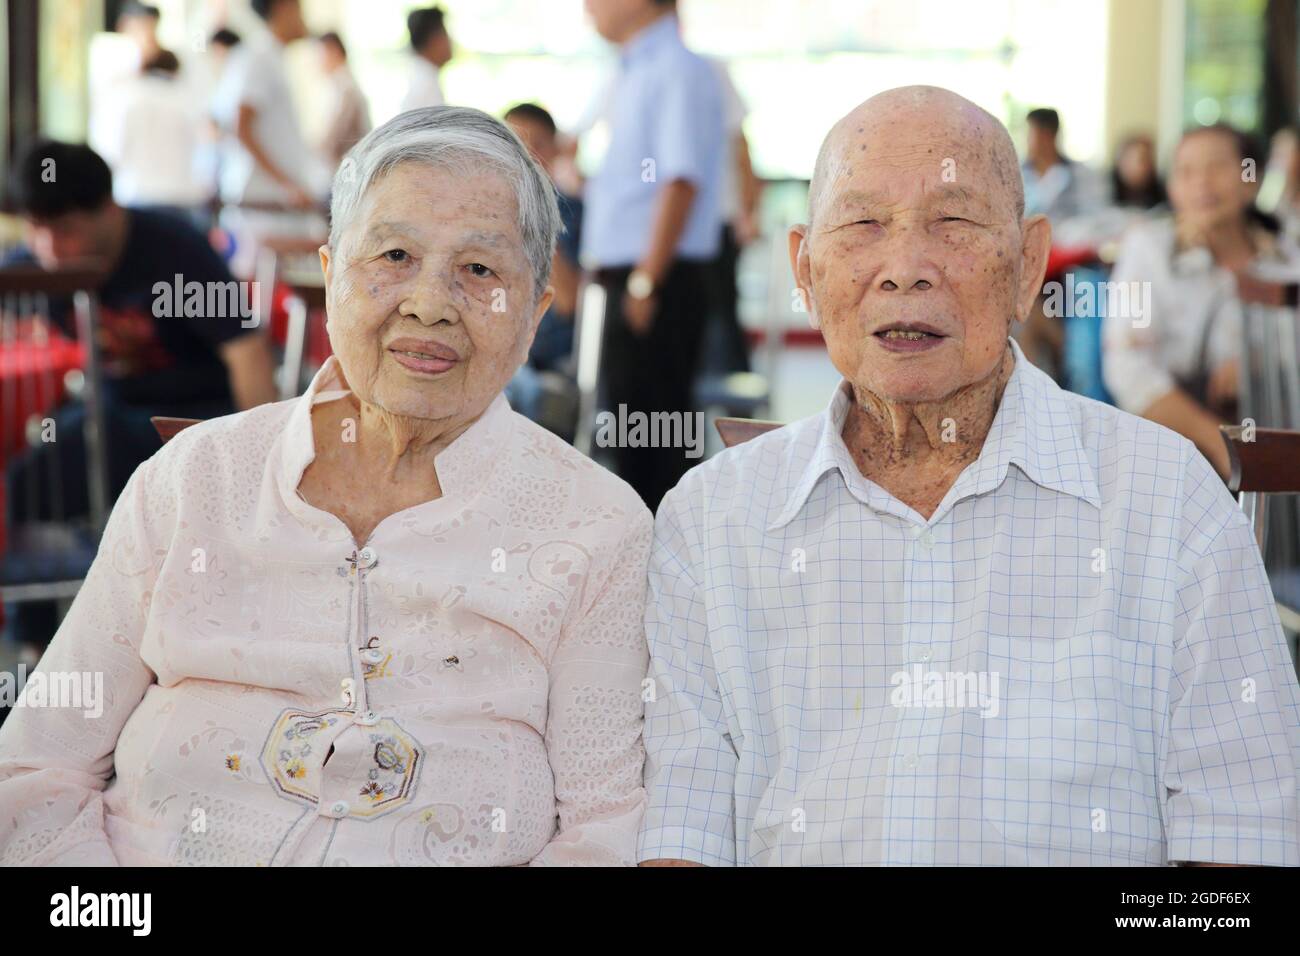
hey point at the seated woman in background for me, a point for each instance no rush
(389, 622)
(1134, 181)
(1175, 358)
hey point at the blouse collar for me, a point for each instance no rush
(463, 467)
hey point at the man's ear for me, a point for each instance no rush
(1035, 245)
(802, 269)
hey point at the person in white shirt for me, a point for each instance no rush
(431, 50)
(271, 183)
(269, 166)
(961, 617)
(154, 147)
(1176, 362)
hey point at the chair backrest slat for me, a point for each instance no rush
(735, 431)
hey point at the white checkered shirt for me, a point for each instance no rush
(1076, 660)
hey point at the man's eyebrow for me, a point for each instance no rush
(854, 198)
(952, 191)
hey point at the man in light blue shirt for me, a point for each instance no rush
(652, 221)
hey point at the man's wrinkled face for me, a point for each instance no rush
(914, 260)
(430, 295)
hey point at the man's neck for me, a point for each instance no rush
(643, 23)
(915, 451)
(1045, 162)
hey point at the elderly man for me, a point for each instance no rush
(961, 616)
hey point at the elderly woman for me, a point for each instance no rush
(389, 622)
(1175, 361)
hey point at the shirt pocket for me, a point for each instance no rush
(1066, 776)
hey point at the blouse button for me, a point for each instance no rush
(366, 558)
(372, 655)
(339, 808)
(368, 719)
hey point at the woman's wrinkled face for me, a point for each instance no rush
(430, 294)
(915, 264)
(1207, 182)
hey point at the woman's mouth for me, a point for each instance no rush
(430, 358)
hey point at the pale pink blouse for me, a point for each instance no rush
(465, 689)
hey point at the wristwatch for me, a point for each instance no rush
(640, 285)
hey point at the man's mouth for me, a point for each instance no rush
(912, 335)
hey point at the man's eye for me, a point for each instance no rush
(954, 219)
(867, 222)
(396, 255)
(480, 270)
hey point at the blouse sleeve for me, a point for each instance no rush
(593, 725)
(56, 760)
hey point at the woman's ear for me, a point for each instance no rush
(326, 262)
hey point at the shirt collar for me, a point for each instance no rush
(662, 31)
(463, 467)
(1034, 429)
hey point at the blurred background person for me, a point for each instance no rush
(652, 222)
(553, 345)
(725, 348)
(431, 50)
(1055, 185)
(269, 164)
(1279, 193)
(1178, 363)
(139, 23)
(155, 361)
(155, 149)
(1134, 179)
(348, 114)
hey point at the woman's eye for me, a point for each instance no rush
(480, 270)
(395, 255)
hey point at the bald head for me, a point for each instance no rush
(925, 124)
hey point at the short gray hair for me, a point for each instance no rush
(457, 137)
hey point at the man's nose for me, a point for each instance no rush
(909, 264)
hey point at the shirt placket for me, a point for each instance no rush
(339, 781)
(912, 789)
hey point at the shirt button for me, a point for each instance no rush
(366, 558)
(910, 761)
(923, 657)
(368, 719)
(926, 539)
(339, 808)
(372, 655)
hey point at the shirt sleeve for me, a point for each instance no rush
(1131, 365)
(594, 718)
(690, 759)
(1234, 709)
(687, 124)
(56, 760)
